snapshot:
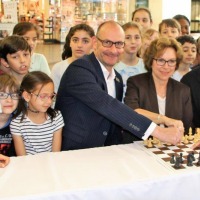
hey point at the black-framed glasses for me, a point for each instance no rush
(161, 62)
(45, 97)
(5, 95)
(108, 43)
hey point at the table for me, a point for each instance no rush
(119, 172)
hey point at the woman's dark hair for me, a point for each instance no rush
(67, 52)
(23, 27)
(12, 44)
(29, 83)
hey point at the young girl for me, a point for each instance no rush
(169, 28)
(184, 22)
(79, 42)
(15, 54)
(9, 97)
(189, 55)
(37, 127)
(30, 32)
(147, 37)
(130, 64)
(143, 17)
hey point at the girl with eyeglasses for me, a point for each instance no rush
(155, 94)
(9, 97)
(37, 127)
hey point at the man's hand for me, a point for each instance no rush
(172, 135)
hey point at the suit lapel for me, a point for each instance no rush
(152, 94)
(169, 98)
(100, 76)
(118, 87)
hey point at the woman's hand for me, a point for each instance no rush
(173, 123)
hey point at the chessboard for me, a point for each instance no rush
(168, 152)
(181, 156)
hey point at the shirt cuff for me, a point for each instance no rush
(149, 131)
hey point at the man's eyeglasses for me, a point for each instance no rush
(14, 96)
(45, 97)
(108, 43)
(161, 62)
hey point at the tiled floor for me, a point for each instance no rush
(52, 52)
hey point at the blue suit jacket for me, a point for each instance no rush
(92, 117)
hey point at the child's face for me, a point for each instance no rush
(81, 43)
(189, 53)
(147, 40)
(19, 62)
(41, 98)
(170, 32)
(31, 38)
(142, 17)
(8, 105)
(185, 26)
(133, 40)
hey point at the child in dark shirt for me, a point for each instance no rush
(9, 97)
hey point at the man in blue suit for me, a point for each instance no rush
(89, 99)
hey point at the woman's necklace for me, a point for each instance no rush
(34, 111)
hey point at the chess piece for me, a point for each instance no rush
(145, 142)
(181, 157)
(192, 155)
(189, 160)
(149, 144)
(185, 140)
(159, 144)
(172, 161)
(190, 136)
(177, 163)
(195, 138)
(198, 163)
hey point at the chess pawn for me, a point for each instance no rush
(145, 142)
(198, 163)
(149, 144)
(159, 144)
(177, 163)
(190, 137)
(195, 139)
(186, 140)
(189, 160)
(172, 160)
(198, 133)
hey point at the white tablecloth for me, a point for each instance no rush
(120, 172)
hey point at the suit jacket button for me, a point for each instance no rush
(105, 133)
